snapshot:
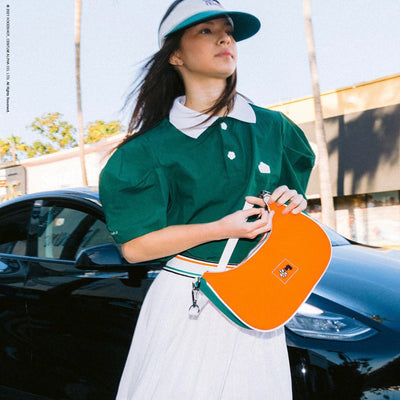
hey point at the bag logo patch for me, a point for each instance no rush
(285, 271)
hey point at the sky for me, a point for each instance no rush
(356, 41)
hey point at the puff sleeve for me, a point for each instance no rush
(298, 157)
(134, 192)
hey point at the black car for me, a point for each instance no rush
(69, 304)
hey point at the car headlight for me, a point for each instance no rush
(312, 322)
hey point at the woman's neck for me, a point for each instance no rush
(202, 97)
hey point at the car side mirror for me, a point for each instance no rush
(99, 257)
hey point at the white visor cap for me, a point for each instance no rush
(191, 12)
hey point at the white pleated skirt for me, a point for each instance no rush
(177, 357)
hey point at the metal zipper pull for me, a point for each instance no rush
(265, 195)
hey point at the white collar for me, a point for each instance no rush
(193, 123)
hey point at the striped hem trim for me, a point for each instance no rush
(203, 263)
(190, 267)
(181, 272)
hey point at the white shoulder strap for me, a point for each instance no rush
(231, 244)
(229, 247)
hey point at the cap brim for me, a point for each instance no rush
(245, 25)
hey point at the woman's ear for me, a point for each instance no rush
(175, 59)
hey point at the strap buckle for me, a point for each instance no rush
(194, 309)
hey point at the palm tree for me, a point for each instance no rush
(4, 149)
(78, 14)
(15, 144)
(328, 210)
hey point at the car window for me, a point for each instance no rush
(335, 238)
(63, 232)
(14, 228)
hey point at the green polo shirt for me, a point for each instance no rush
(165, 177)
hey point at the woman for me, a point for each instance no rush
(177, 184)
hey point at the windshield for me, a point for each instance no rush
(335, 238)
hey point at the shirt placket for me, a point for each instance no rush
(231, 152)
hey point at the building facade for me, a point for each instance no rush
(58, 170)
(362, 126)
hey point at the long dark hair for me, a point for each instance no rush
(161, 85)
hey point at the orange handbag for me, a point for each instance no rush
(265, 290)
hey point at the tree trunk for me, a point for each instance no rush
(13, 152)
(78, 13)
(328, 211)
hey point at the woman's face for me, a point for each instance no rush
(207, 50)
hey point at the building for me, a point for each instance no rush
(63, 169)
(58, 170)
(362, 126)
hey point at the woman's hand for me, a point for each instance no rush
(282, 194)
(237, 225)
(177, 238)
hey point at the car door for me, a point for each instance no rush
(15, 337)
(81, 319)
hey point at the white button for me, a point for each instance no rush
(224, 126)
(231, 155)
